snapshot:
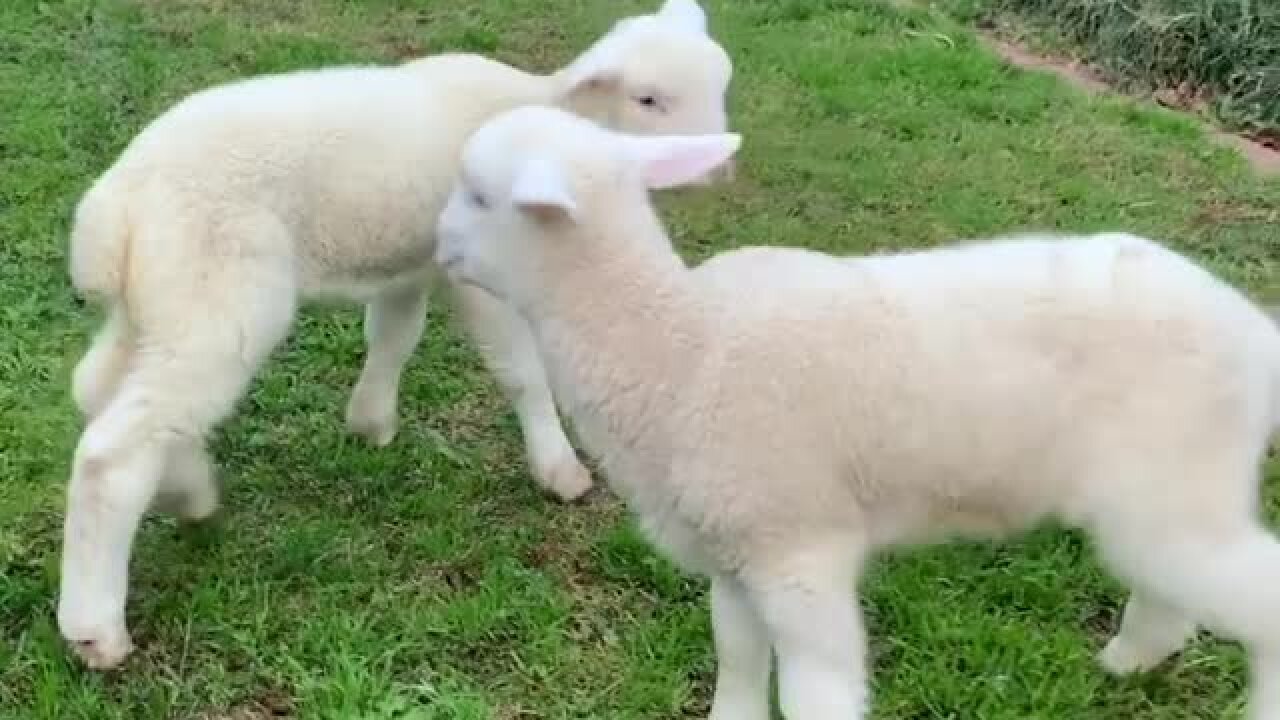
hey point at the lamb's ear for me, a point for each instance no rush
(541, 190)
(599, 68)
(673, 160)
(687, 13)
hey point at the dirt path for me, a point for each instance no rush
(1264, 160)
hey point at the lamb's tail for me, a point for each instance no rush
(99, 252)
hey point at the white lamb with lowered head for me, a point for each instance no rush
(776, 415)
(243, 199)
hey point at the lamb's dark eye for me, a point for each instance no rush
(477, 199)
(649, 101)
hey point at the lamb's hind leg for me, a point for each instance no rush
(98, 374)
(119, 468)
(188, 489)
(1223, 572)
(181, 384)
(510, 352)
(393, 325)
(1150, 631)
(115, 474)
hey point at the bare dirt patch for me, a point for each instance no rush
(1262, 154)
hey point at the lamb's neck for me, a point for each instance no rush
(621, 337)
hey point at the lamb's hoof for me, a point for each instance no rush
(199, 507)
(377, 436)
(1121, 657)
(372, 413)
(102, 650)
(569, 480)
(379, 429)
(192, 505)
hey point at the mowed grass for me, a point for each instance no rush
(431, 580)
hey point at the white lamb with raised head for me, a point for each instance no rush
(243, 199)
(775, 416)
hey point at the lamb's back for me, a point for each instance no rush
(355, 161)
(979, 378)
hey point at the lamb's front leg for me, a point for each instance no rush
(742, 654)
(806, 599)
(509, 350)
(393, 325)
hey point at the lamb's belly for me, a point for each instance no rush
(362, 266)
(928, 522)
(338, 291)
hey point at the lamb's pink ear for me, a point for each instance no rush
(542, 190)
(687, 13)
(673, 160)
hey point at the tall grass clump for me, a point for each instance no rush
(1223, 55)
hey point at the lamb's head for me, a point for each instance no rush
(542, 192)
(657, 74)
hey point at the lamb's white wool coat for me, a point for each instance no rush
(775, 415)
(243, 199)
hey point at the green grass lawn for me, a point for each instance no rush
(431, 579)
